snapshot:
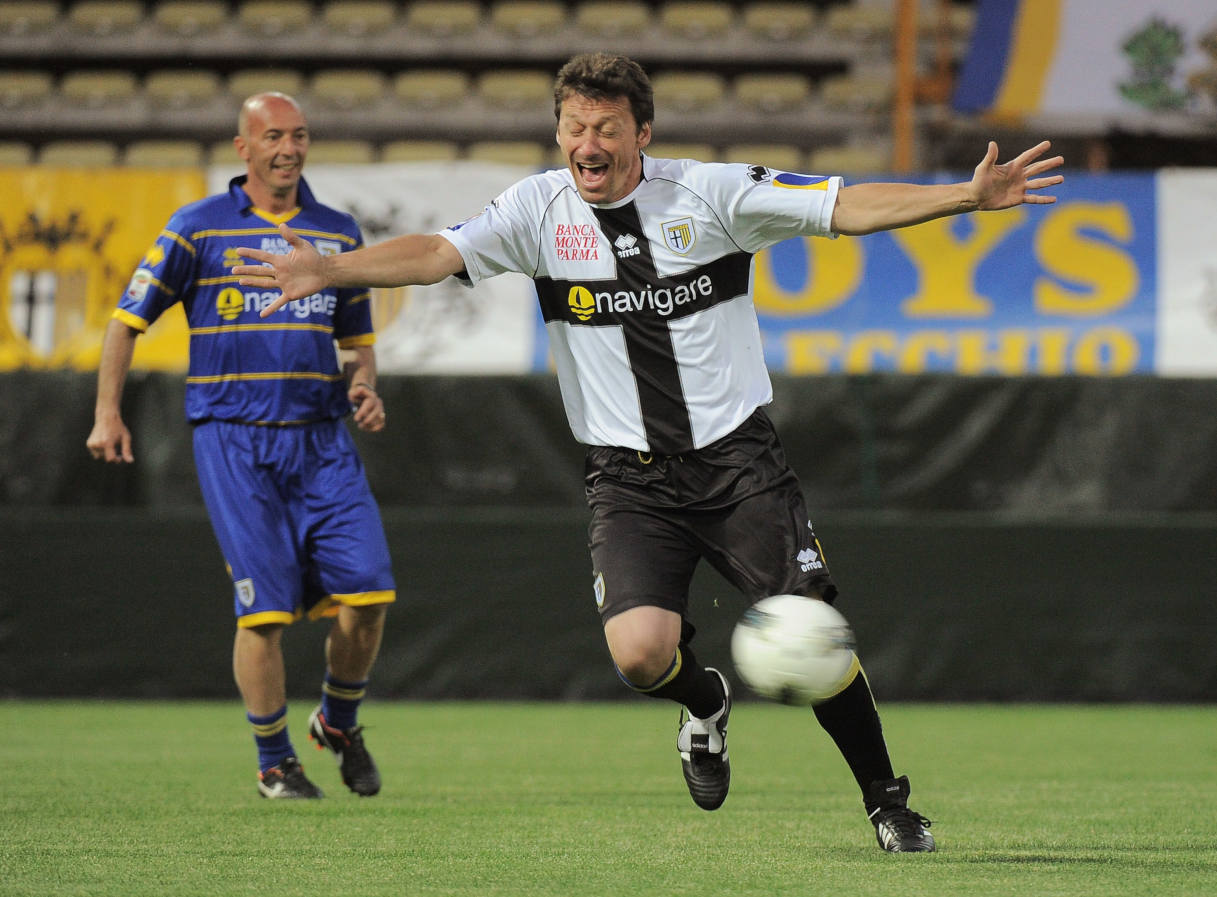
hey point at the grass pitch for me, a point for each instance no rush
(135, 799)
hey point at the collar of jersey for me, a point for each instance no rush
(236, 192)
(273, 218)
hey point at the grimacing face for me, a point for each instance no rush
(275, 145)
(600, 141)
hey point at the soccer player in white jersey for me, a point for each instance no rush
(642, 270)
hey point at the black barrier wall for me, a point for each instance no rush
(994, 540)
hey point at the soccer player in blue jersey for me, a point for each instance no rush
(642, 268)
(284, 486)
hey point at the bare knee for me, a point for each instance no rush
(643, 643)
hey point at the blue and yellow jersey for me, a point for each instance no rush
(276, 370)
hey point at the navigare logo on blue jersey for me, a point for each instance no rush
(792, 181)
(231, 303)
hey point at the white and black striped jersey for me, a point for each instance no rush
(647, 301)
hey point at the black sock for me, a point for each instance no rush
(853, 722)
(687, 683)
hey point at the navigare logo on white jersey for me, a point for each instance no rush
(583, 303)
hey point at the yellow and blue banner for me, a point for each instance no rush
(1117, 277)
(69, 240)
(1065, 288)
(1091, 62)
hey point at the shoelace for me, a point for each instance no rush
(904, 820)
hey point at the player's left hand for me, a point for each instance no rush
(1001, 186)
(369, 408)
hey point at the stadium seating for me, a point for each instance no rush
(779, 21)
(857, 91)
(440, 18)
(782, 156)
(725, 71)
(868, 21)
(419, 151)
(247, 82)
(697, 21)
(359, 17)
(524, 89)
(102, 17)
(850, 159)
(26, 17)
(222, 152)
(15, 152)
(274, 18)
(188, 18)
(513, 152)
(182, 87)
(527, 18)
(98, 87)
(702, 152)
(78, 154)
(24, 88)
(609, 20)
(772, 92)
(348, 88)
(163, 154)
(427, 88)
(345, 152)
(686, 91)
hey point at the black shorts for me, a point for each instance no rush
(735, 503)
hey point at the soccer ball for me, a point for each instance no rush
(793, 649)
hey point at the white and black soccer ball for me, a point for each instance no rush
(793, 649)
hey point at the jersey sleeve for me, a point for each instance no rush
(763, 206)
(163, 275)
(503, 238)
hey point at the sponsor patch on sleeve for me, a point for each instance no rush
(140, 281)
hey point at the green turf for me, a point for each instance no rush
(587, 799)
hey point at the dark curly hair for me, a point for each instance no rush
(605, 76)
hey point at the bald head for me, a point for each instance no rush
(272, 139)
(260, 105)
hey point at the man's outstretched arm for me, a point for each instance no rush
(401, 261)
(866, 208)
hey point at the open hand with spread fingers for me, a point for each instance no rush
(299, 273)
(1001, 186)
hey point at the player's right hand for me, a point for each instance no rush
(110, 441)
(298, 274)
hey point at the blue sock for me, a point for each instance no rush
(340, 701)
(270, 735)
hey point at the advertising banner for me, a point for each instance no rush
(1089, 63)
(1115, 278)
(69, 240)
(1057, 289)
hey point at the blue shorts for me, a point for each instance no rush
(295, 519)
